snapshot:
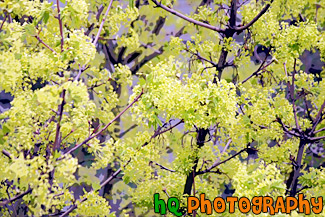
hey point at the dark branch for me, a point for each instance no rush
(258, 16)
(196, 22)
(104, 128)
(6, 153)
(162, 167)
(219, 163)
(60, 24)
(56, 144)
(3, 203)
(261, 68)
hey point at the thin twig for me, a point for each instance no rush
(219, 163)
(104, 128)
(6, 153)
(102, 23)
(73, 207)
(3, 22)
(320, 130)
(163, 167)
(257, 71)
(3, 203)
(216, 163)
(196, 22)
(318, 117)
(60, 23)
(292, 94)
(157, 133)
(56, 144)
(260, 14)
(47, 46)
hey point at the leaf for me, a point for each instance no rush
(142, 82)
(126, 179)
(46, 16)
(63, 1)
(56, 154)
(5, 129)
(95, 185)
(18, 56)
(131, 3)
(30, 30)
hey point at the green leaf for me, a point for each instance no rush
(126, 179)
(56, 154)
(95, 185)
(142, 81)
(18, 56)
(131, 3)
(46, 16)
(63, 1)
(5, 129)
(30, 30)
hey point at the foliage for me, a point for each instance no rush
(117, 100)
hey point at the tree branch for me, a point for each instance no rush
(315, 139)
(3, 22)
(102, 23)
(284, 127)
(320, 130)
(195, 22)
(3, 203)
(219, 163)
(162, 167)
(56, 144)
(73, 207)
(261, 68)
(104, 128)
(318, 117)
(223, 151)
(6, 153)
(258, 16)
(157, 133)
(60, 23)
(47, 46)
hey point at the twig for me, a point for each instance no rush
(73, 207)
(3, 22)
(196, 22)
(263, 11)
(6, 153)
(3, 203)
(102, 23)
(83, 68)
(202, 58)
(60, 23)
(80, 72)
(157, 133)
(318, 117)
(292, 94)
(113, 175)
(217, 161)
(47, 46)
(163, 167)
(257, 71)
(104, 128)
(56, 144)
(320, 130)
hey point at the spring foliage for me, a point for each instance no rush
(73, 66)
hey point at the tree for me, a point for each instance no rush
(205, 117)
